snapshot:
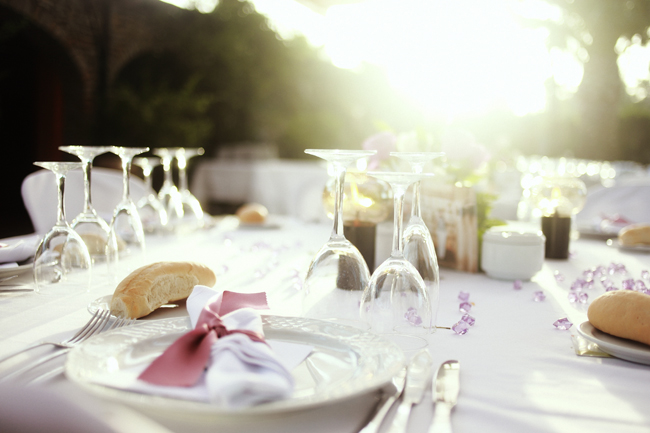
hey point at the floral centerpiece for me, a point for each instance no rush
(454, 205)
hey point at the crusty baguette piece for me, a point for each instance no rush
(635, 234)
(252, 213)
(623, 313)
(151, 286)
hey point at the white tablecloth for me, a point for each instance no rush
(518, 373)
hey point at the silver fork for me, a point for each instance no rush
(97, 324)
(100, 318)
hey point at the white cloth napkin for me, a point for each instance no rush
(17, 250)
(240, 372)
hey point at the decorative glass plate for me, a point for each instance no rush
(615, 346)
(344, 363)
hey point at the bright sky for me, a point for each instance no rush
(452, 57)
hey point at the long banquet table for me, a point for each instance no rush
(518, 372)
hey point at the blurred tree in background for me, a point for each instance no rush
(226, 77)
(601, 121)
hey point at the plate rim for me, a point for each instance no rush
(615, 347)
(15, 270)
(631, 248)
(152, 403)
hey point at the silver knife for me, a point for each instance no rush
(446, 387)
(417, 379)
(398, 382)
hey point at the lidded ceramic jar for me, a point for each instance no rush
(512, 254)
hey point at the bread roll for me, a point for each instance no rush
(252, 213)
(635, 234)
(623, 313)
(151, 286)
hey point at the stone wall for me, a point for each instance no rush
(86, 28)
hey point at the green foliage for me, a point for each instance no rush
(226, 77)
(147, 109)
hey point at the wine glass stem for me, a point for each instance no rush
(167, 168)
(416, 210)
(182, 178)
(337, 230)
(126, 169)
(60, 217)
(87, 167)
(398, 246)
(146, 172)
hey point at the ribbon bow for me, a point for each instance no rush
(184, 361)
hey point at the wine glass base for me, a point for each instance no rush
(397, 299)
(409, 344)
(341, 265)
(60, 254)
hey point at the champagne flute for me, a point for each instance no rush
(418, 244)
(126, 226)
(61, 250)
(397, 300)
(91, 227)
(168, 194)
(192, 212)
(338, 274)
(152, 212)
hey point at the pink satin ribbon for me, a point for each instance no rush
(184, 361)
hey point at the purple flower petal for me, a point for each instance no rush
(413, 317)
(563, 324)
(628, 284)
(468, 319)
(460, 327)
(573, 297)
(583, 297)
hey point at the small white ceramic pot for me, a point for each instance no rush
(512, 255)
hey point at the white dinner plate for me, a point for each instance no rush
(167, 311)
(345, 362)
(619, 347)
(631, 248)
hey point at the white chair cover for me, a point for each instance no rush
(629, 198)
(40, 198)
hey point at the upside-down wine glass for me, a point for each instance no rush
(192, 212)
(127, 234)
(418, 244)
(338, 274)
(61, 250)
(151, 210)
(168, 193)
(396, 299)
(88, 224)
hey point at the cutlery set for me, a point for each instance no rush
(410, 384)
